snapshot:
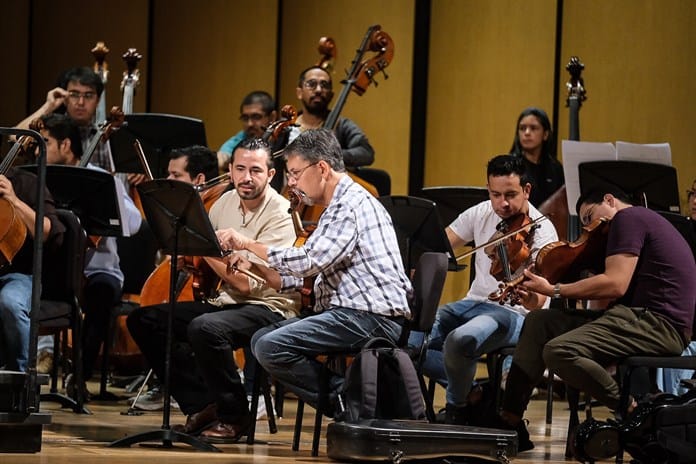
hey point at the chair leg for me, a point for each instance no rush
(298, 425)
(261, 385)
(429, 408)
(322, 406)
(549, 399)
(279, 399)
(573, 396)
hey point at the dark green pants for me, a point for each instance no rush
(578, 345)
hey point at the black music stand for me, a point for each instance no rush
(178, 220)
(452, 200)
(158, 134)
(89, 193)
(647, 184)
(418, 229)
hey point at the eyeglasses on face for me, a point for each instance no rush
(256, 117)
(690, 193)
(295, 175)
(75, 95)
(587, 217)
(313, 83)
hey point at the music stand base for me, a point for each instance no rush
(65, 402)
(167, 436)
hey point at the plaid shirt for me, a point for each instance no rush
(354, 254)
(102, 154)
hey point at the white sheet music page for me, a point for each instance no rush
(574, 153)
(659, 153)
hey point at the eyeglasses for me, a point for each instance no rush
(690, 193)
(587, 217)
(75, 95)
(313, 84)
(256, 117)
(297, 174)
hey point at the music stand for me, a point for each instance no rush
(89, 193)
(647, 184)
(158, 134)
(452, 200)
(178, 220)
(418, 229)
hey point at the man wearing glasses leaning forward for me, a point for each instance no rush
(315, 91)
(648, 272)
(361, 288)
(78, 90)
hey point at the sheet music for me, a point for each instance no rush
(574, 153)
(659, 153)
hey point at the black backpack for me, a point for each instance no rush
(382, 383)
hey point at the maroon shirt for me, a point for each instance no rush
(664, 278)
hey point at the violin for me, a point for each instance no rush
(302, 234)
(509, 257)
(288, 119)
(564, 261)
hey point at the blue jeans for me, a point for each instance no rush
(15, 305)
(463, 332)
(668, 379)
(287, 349)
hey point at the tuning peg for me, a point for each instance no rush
(386, 76)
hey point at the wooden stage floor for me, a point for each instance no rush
(81, 439)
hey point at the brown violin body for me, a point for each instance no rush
(13, 232)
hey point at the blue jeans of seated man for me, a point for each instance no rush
(464, 331)
(15, 304)
(287, 349)
(668, 380)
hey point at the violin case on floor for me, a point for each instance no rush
(404, 440)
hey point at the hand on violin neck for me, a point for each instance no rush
(537, 283)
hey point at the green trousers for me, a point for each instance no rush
(579, 345)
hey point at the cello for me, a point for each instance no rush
(13, 232)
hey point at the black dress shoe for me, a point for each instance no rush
(227, 432)
(198, 422)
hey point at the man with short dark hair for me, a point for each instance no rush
(648, 273)
(315, 91)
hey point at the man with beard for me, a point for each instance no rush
(314, 89)
(204, 377)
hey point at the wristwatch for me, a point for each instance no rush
(557, 291)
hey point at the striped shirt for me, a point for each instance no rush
(354, 254)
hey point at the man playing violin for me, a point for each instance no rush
(204, 377)
(104, 278)
(361, 287)
(314, 90)
(649, 273)
(467, 329)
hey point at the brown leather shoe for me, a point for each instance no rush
(226, 433)
(198, 422)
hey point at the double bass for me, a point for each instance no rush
(556, 206)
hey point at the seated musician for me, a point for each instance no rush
(361, 287)
(314, 90)
(535, 144)
(649, 272)
(256, 112)
(471, 327)
(18, 195)
(204, 377)
(104, 278)
(78, 92)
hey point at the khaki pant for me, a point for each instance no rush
(578, 345)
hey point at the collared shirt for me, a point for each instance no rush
(354, 255)
(269, 224)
